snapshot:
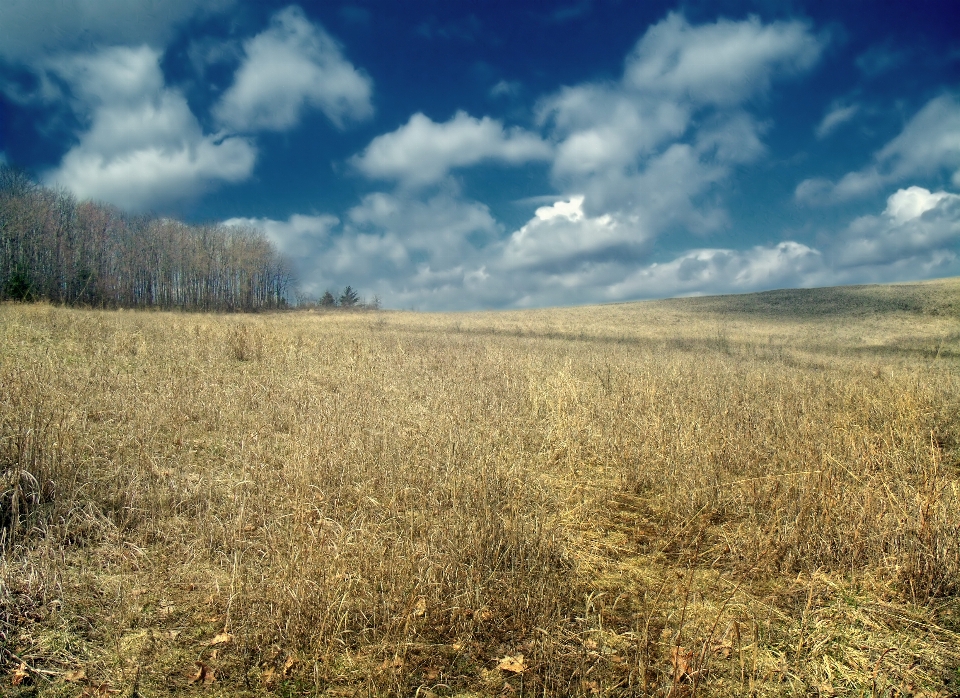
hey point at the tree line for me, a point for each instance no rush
(348, 299)
(54, 248)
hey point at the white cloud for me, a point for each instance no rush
(916, 226)
(422, 151)
(33, 29)
(144, 147)
(653, 144)
(710, 271)
(837, 115)
(561, 235)
(408, 251)
(635, 158)
(911, 203)
(447, 253)
(297, 237)
(928, 144)
(721, 63)
(292, 65)
(916, 236)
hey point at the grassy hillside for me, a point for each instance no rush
(747, 495)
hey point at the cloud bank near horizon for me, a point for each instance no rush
(917, 232)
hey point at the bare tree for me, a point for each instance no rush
(53, 248)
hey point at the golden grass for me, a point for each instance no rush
(754, 495)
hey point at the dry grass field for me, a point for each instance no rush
(737, 496)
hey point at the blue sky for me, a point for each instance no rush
(460, 155)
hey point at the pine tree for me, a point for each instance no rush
(348, 298)
(328, 301)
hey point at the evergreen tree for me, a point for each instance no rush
(348, 298)
(328, 301)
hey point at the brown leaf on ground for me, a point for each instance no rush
(723, 650)
(395, 663)
(420, 608)
(75, 676)
(19, 675)
(221, 639)
(514, 664)
(682, 661)
(269, 677)
(204, 674)
(289, 664)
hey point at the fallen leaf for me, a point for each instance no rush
(19, 674)
(395, 663)
(514, 664)
(681, 659)
(204, 674)
(75, 676)
(221, 639)
(289, 664)
(420, 608)
(723, 651)
(269, 677)
(431, 673)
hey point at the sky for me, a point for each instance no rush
(455, 154)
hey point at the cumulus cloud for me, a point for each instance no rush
(721, 63)
(927, 145)
(33, 29)
(297, 237)
(635, 158)
(292, 65)
(915, 236)
(422, 151)
(561, 235)
(144, 147)
(917, 226)
(709, 271)
(448, 253)
(655, 142)
(836, 116)
(409, 251)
